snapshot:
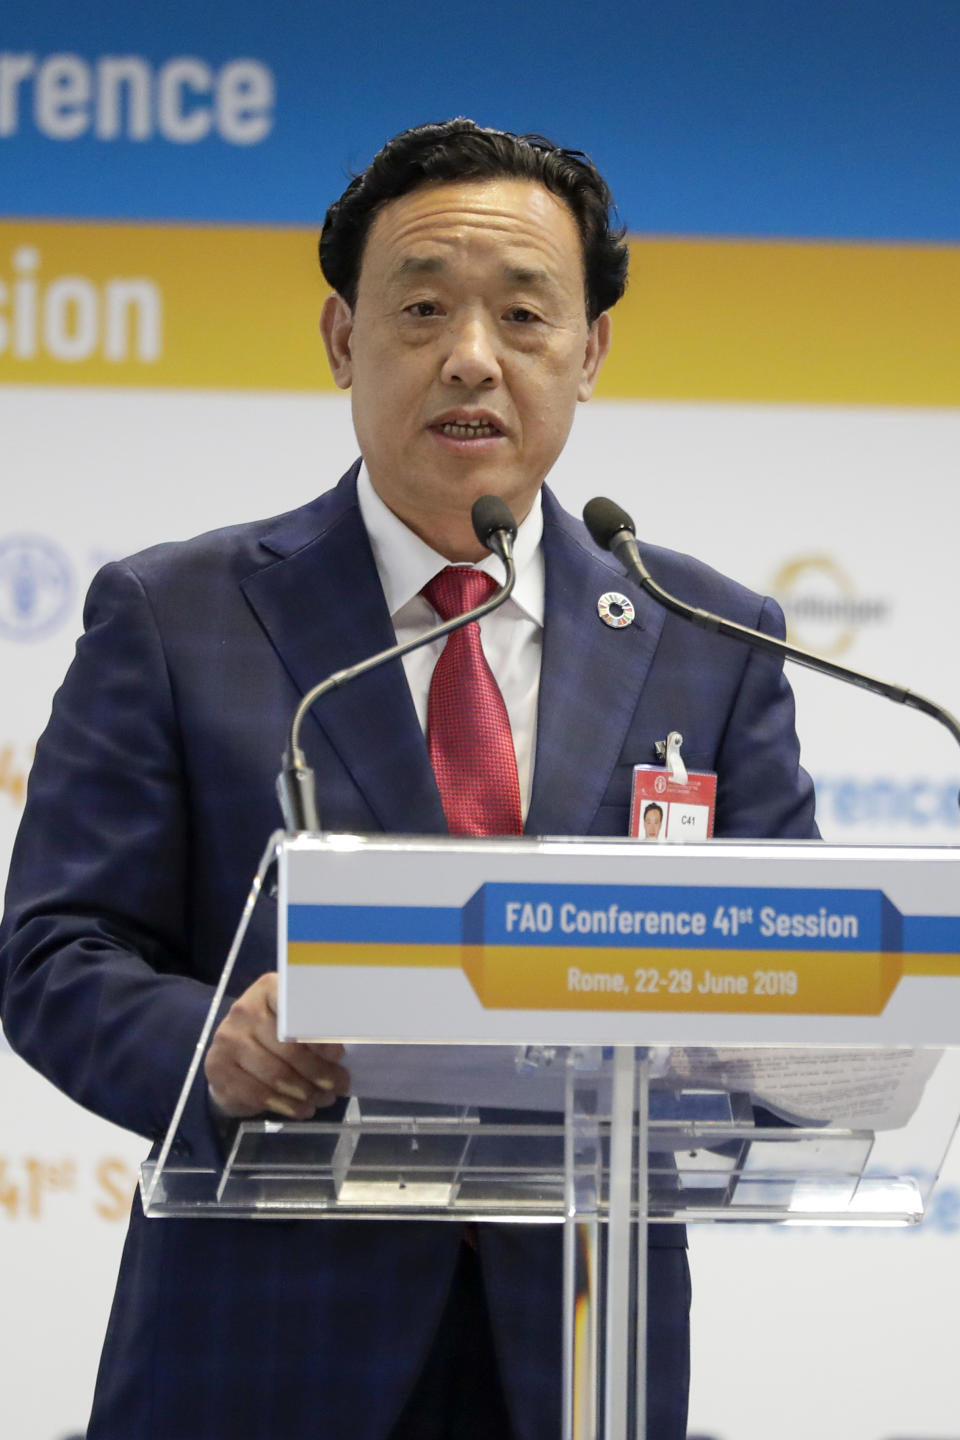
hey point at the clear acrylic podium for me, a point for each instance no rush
(598, 1034)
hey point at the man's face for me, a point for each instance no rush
(467, 350)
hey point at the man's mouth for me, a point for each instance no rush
(468, 429)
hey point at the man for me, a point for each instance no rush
(652, 820)
(472, 274)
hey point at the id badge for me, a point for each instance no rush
(671, 803)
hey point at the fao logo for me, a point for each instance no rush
(36, 587)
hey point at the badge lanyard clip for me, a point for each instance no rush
(672, 758)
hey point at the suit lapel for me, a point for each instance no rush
(322, 606)
(590, 679)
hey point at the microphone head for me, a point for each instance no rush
(605, 519)
(490, 514)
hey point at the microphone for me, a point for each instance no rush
(612, 529)
(494, 525)
(496, 529)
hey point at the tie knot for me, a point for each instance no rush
(458, 589)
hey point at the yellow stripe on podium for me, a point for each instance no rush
(931, 966)
(745, 982)
(362, 952)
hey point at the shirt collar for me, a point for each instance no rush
(406, 563)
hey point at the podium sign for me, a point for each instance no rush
(614, 942)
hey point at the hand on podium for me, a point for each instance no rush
(249, 1070)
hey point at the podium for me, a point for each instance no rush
(598, 1034)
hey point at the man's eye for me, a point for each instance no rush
(423, 309)
(520, 314)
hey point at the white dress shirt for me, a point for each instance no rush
(512, 637)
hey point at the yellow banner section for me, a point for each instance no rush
(220, 307)
(321, 952)
(746, 982)
(788, 321)
(931, 965)
(205, 307)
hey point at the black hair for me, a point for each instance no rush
(461, 150)
(652, 806)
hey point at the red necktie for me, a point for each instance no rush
(468, 729)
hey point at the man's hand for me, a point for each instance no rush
(249, 1070)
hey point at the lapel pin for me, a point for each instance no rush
(615, 610)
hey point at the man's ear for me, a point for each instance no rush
(336, 327)
(598, 343)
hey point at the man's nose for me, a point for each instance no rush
(472, 360)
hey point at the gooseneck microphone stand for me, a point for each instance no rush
(612, 529)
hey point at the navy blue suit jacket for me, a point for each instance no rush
(149, 805)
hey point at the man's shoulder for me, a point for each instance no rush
(238, 550)
(701, 585)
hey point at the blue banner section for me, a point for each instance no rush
(637, 917)
(396, 924)
(682, 918)
(931, 934)
(779, 117)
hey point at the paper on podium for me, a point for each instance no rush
(866, 1089)
(858, 1089)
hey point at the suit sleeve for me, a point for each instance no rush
(762, 790)
(94, 976)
